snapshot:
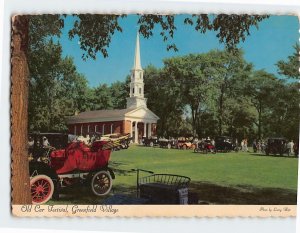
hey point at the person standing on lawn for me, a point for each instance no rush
(290, 147)
(246, 145)
(254, 146)
(242, 145)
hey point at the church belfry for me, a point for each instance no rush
(136, 95)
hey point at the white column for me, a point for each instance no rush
(103, 128)
(136, 132)
(81, 129)
(145, 129)
(88, 128)
(95, 128)
(149, 129)
(111, 128)
(131, 133)
(75, 129)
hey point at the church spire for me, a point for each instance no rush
(137, 56)
(136, 94)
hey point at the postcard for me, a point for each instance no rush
(188, 115)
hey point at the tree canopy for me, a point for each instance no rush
(56, 87)
(204, 94)
(95, 31)
(290, 68)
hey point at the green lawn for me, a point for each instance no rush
(222, 178)
(226, 169)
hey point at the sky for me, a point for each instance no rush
(271, 42)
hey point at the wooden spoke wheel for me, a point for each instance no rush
(42, 189)
(101, 183)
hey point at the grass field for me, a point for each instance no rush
(222, 168)
(222, 178)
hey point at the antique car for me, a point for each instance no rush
(276, 146)
(123, 141)
(205, 146)
(54, 168)
(225, 144)
(150, 141)
(184, 143)
(167, 143)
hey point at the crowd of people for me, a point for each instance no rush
(258, 146)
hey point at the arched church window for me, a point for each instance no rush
(132, 90)
(140, 91)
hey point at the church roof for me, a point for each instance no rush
(100, 114)
(108, 115)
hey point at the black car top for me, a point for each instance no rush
(277, 139)
(57, 140)
(224, 139)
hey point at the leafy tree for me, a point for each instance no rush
(228, 68)
(206, 83)
(283, 112)
(261, 88)
(188, 76)
(162, 98)
(241, 119)
(101, 98)
(290, 68)
(56, 89)
(119, 94)
(95, 31)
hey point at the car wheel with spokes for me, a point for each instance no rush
(42, 189)
(101, 183)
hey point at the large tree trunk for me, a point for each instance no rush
(19, 114)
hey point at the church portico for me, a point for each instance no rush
(143, 129)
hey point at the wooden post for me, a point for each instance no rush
(19, 113)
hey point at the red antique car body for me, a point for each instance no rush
(78, 156)
(52, 169)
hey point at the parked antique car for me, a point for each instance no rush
(205, 146)
(225, 144)
(276, 146)
(185, 143)
(167, 143)
(122, 141)
(150, 141)
(53, 168)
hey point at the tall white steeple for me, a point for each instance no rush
(137, 55)
(136, 96)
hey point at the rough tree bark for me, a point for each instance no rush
(20, 180)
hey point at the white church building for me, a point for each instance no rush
(136, 119)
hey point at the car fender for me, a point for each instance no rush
(111, 172)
